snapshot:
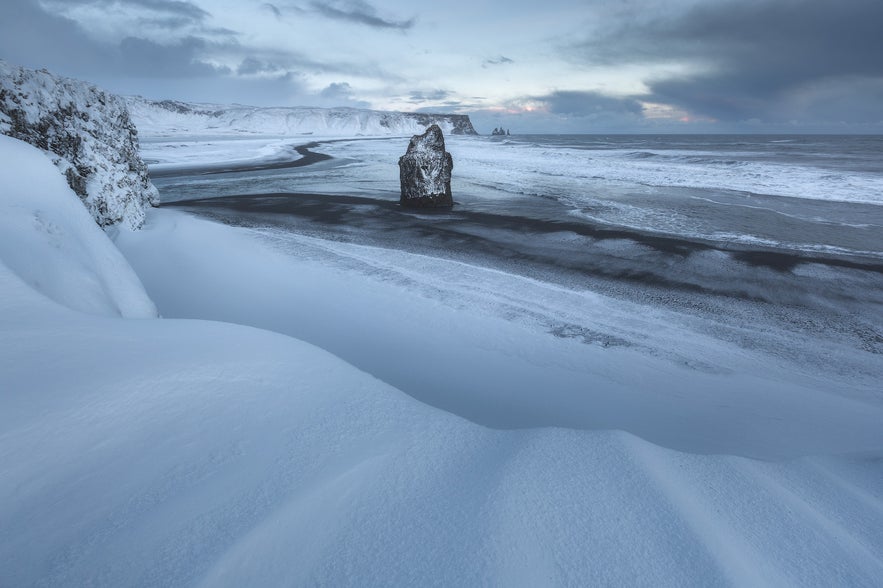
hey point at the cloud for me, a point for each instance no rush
(341, 94)
(253, 66)
(172, 12)
(337, 90)
(431, 96)
(273, 9)
(162, 21)
(755, 59)
(360, 12)
(151, 59)
(589, 104)
(25, 31)
(172, 7)
(501, 60)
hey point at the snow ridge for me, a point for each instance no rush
(89, 136)
(169, 117)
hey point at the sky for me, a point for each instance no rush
(580, 66)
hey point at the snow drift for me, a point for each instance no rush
(170, 118)
(52, 244)
(89, 136)
(237, 457)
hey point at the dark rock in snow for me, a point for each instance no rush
(425, 171)
(88, 135)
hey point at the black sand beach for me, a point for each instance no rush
(539, 238)
(306, 158)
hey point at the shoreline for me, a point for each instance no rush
(330, 210)
(307, 157)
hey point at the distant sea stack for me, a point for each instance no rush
(425, 171)
(88, 135)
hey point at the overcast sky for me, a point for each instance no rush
(555, 65)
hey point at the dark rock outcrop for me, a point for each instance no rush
(87, 134)
(425, 171)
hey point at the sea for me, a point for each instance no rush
(810, 193)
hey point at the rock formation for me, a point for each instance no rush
(88, 135)
(170, 117)
(425, 171)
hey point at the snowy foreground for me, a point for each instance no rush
(146, 451)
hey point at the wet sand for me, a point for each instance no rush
(452, 226)
(306, 158)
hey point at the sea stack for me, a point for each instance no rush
(425, 171)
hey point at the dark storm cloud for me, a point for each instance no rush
(148, 59)
(759, 57)
(589, 104)
(359, 12)
(32, 37)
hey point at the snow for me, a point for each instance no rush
(164, 155)
(495, 348)
(174, 119)
(50, 241)
(179, 451)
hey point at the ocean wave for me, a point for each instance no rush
(742, 169)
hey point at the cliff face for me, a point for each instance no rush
(169, 118)
(88, 135)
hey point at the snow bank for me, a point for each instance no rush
(239, 457)
(49, 240)
(88, 135)
(512, 352)
(171, 118)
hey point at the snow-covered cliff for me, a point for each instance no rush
(89, 136)
(169, 118)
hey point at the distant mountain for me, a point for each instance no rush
(171, 118)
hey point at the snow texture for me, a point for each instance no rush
(89, 136)
(239, 457)
(171, 118)
(52, 244)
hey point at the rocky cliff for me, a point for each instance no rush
(170, 118)
(89, 136)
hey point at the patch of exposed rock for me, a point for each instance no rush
(87, 134)
(425, 171)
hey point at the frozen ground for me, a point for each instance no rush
(189, 452)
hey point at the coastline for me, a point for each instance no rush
(307, 157)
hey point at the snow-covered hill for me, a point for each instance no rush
(89, 136)
(172, 118)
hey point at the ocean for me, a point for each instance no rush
(810, 193)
